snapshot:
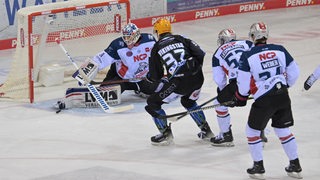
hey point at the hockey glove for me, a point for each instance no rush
(238, 100)
(227, 93)
(161, 83)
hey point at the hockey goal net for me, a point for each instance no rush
(39, 66)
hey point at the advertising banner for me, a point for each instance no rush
(225, 10)
(186, 5)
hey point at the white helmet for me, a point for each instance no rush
(226, 35)
(258, 31)
(131, 34)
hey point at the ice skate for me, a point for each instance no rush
(205, 133)
(294, 169)
(163, 139)
(223, 139)
(257, 171)
(309, 82)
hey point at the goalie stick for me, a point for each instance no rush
(116, 81)
(105, 107)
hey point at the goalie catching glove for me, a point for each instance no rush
(87, 72)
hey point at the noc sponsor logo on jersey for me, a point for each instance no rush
(140, 57)
(268, 55)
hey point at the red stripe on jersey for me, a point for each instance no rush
(123, 70)
(253, 87)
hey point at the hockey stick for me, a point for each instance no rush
(201, 105)
(172, 118)
(116, 81)
(105, 107)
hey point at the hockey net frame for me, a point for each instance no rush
(20, 85)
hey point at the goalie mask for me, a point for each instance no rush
(130, 34)
(225, 36)
(258, 31)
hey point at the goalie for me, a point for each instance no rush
(128, 58)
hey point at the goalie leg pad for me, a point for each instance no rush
(80, 97)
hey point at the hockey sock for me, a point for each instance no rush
(255, 143)
(160, 123)
(223, 117)
(288, 142)
(199, 116)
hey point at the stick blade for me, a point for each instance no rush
(120, 108)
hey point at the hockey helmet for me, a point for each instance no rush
(130, 34)
(225, 36)
(162, 26)
(258, 31)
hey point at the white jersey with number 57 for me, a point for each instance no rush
(225, 61)
(267, 64)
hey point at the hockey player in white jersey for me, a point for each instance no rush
(273, 70)
(224, 66)
(225, 62)
(312, 78)
(127, 57)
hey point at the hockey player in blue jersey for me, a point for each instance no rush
(273, 71)
(182, 59)
(127, 57)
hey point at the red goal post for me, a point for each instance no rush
(86, 27)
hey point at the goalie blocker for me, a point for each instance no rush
(80, 97)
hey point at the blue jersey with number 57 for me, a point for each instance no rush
(267, 64)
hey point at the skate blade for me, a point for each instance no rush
(295, 175)
(163, 143)
(227, 144)
(257, 176)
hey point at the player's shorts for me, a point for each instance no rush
(275, 105)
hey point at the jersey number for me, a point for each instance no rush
(173, 62)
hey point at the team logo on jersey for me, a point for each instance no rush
(129, 53)
(142, 70)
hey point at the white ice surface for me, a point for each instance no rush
(87, 144)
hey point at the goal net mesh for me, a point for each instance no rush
(39, 66)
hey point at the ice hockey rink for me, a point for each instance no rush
(88, 144)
